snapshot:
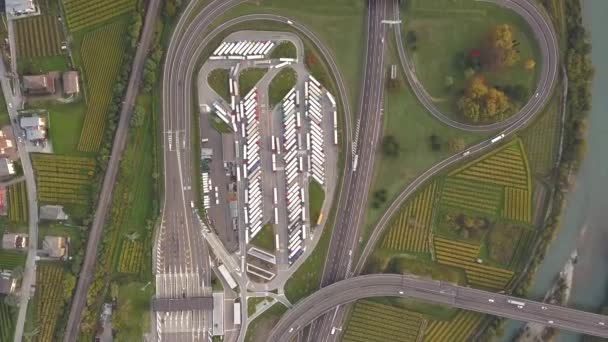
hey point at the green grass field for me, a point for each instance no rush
(7, 320)
(218, 81)
(280, 85)
(248, 78)
(316, 196)
(132, 311)
(41, 65)
(258, 328)
(66, 121)
(252, 302)
(11, 259)
(284, 50)
(406, 119)
(446, 30)
(265, 238)
(501, 242)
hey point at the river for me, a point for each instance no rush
(585, 222)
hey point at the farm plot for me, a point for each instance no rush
(131, 257)
(38, 36)
(522, 249)
(102, 53)
(507, 166)
(518, 205)
(464, 255)
(86, 13)
(457, 329)
(17, 202)
(63, 179)
(49, 299)
(542, 138)
(376, 322)
(7, 321)
(471, 195)
(411, 228)
(11, 259)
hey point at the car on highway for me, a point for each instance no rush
(491, 300)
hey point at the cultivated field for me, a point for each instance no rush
(376, 322)
(464, 255)
(49, 299)
(542, 138)
(17, 202)
(131, 257)
(411, 228)
(471, 195)
(86, 13)
(7, 321)
(38, 36)
(63, 179)
(102, 51)
(459, 328)
(10, 259)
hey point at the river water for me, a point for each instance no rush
(585, 222)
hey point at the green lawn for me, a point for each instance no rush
(339, 24)
(216, 283)
(409, 123)
(260, 327)
(427, 309)
(446, 30)
(218, 81)
(315, 201)
(502, 241)
(265, 238)
(4, 118)
(11, 259)
(252, 302)
(131, 318)
(307, 278)
(66, 122)
(284, 50)
(42, 64)
(280, 85)
(248, 78)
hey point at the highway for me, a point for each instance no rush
(105, 197)
(351, 206)
(391, 285)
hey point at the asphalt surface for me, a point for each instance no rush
(13, 103)
(390, 285)
(349, 218)
(105, 197)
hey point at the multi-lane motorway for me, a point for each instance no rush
(390, 285)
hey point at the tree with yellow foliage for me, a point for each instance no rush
(503, 46)
(483, 103)
(529, 64)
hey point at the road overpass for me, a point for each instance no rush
(392, 285)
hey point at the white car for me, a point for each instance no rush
(491, 300)
(601, 323)
(543, 307)
(400, 292)
(551, 322)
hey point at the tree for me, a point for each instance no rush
(481, 102)
(390, 146)
(411, 38)
(529, 64)
(503, 46)
(456, 145)
(435, 142)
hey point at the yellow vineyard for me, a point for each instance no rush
(410, 229)
(458, 329)
(517, 205)
(464, 255)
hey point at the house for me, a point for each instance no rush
(39, 84)
(70, 83)
(52, 212)
(19, 7)
(55, 247)
(14, 241)
(7, 169)
(7, 143)
(8, 284)
(35, 128)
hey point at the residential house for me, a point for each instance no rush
(39, 84)
(7, 143)
(8, 284)
(35, 128)
(70, 83)
(7, 169)
(14, 241)
(55, 247)
(19, 7)
(52, 213)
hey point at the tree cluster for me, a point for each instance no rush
(503, 47)
(483, 103)
(390, 146)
